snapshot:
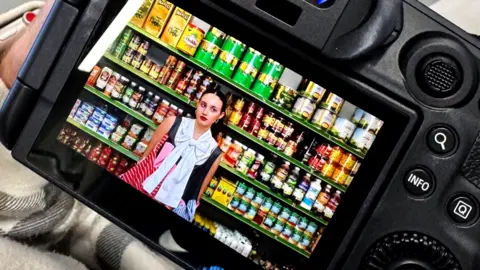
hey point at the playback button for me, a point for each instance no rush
(419, 182)
(462, 209)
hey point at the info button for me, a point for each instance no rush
(419, 182)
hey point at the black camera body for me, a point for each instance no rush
(416, 205)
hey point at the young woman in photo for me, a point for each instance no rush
(182, 158)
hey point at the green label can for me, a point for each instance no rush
(232, 51)
(249, 67)
(123, 42)
(268, 78)
(285, 96)
(215, 36)
(210, 47)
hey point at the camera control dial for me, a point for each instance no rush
(409, 251)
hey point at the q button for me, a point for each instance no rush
(442, 140)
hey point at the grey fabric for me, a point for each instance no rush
(58, 208)
(111, 245)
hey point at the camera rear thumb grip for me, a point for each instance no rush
(382, 27)
(471, 167)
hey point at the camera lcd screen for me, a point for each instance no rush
(295, 144)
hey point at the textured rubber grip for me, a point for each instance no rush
(471, 167)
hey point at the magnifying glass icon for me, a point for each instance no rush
(440, 138)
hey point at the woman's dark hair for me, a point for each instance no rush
(216, 91)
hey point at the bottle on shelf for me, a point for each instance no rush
(194, 85)
(300, 191)
(184, 82)
(143, 106)
(161, 112)
(237, 112)
(119, 88)
(289, 185)
(137, 98)
(129, 92)
(279, 177)
(268, 170)
(176, 75)
(254, 171)
(228, 108)
(322, 200)
(152, 106)
(311, 195)
(306, 151)
(226, 144)
(207, 83)
(247, 117)
(332, 205)
(233, 154)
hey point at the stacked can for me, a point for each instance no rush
(83, 113)
(268, 78)
(122, 44)
(108, 125)
(366, 130)
(96, 119)
(232, 51)
(249, 67)
(210, 46)
(307, 102)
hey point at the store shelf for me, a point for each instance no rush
(255, 226)
(115, 146)
(165, 45)
(278, 196)
(292, 160)
(247, 91)
(140, 117)
(145, 77)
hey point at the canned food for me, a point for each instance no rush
(302, 224)
(362, 139)
(293, 219)
(367, 121)
(234, 203)
(348, 161)
(287, 232)
(296, 236)
(349, 180)
(285, 215)
(356, 167)
(333, 103)
(258, 200)
(135, 131)
(276, 208)
(304, 107)
(305, 242)
(251, 213)
(343, 129)
(314, 91)
(336, 154)
(128, 56)
(324, 118)
(278, 227)
(268, 78)
(210, 46)
(328, 169)
(249, 195)
(242, 207)
(267, 205)
(247, 71)
(269, 222)
(241, 189)
(228, 59)
(116, 138)
(340, 175)
(357, 116)
(89, 108)
(311, 229)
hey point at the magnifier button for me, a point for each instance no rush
(441, 140)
